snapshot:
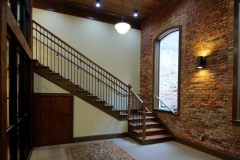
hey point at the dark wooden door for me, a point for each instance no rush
(53, 119)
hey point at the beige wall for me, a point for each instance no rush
(85, 116)
(118, 54)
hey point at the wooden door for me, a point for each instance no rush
(53, 119)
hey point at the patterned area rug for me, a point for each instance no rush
(97, 151)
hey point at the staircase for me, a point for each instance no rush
(64, 66)
(155, 132)
(66, 84)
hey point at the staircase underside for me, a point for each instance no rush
(64, 83)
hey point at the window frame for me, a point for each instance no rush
(156, 65)
(236, 65)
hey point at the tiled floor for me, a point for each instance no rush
(161, 151)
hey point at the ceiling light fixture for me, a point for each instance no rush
(98, 4)
(135, 13)
(122, 27)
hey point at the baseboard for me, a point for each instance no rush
(207, 150)
(99, 137)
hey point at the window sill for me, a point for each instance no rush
(236, 122)
(166, 111)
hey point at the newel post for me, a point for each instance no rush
(143, 125)
(129, 101)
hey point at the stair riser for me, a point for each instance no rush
(149, 133)
(156, 141)
(147, 120)
(147, 126)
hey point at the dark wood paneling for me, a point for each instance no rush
(53, 114)
(3, 73)
(80, 11)
(14, 28)
(207, 150)
(99, 137)
(31, 125)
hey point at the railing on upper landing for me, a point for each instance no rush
(61, 58)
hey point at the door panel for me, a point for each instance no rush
(53, 120)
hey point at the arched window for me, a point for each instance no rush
(167, 70)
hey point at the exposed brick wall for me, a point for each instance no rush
(205, 95)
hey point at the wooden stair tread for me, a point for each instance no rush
(154, 137)
(146, 123)
(140, 117)
(150, 130)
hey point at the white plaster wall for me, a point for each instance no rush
(85, 116)
(118, 54)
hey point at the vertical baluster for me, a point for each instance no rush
(58, 56)
(103, 85)
(74, 59)
(98, 82)
(78, 64)
(66, 58)
(85, 74)
(92, 77)
(81, 77)
(61, 60)
(44, 48)
(47, 48)
(115, 93)
(88, 76)
(54, 54)
(95, 75)
(36, 43)
(129, 101)
(120, 95)
(107, 88)
(40, 46)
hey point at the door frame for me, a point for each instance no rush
(53, 95)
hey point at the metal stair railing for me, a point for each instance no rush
(61, 58)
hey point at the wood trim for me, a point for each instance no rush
(155, 10)
(3, 88)
(30, 27)
(236, 65)
(100, 137)
(88, 13)
(71, 109)
(31, 107)
(17, 33)
(207, 150)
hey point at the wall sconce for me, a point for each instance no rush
(200, 62)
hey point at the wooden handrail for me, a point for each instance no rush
(154, 95)
(78, 52)
(148, 112)
(135, 94)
